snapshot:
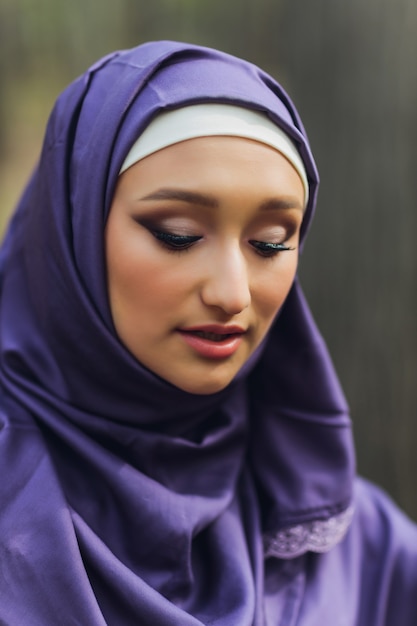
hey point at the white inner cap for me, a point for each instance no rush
(207, 120)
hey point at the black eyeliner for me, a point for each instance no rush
(174, 241)
(269, 248)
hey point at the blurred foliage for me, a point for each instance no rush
(350, 68)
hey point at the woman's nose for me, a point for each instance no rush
(227, 284)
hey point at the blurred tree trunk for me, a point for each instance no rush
(6, 45)
(352, 69)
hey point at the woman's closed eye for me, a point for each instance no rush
(173, 241)
(269, 249)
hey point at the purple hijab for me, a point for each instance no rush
(125, 500)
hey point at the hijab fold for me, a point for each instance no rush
(136, 501)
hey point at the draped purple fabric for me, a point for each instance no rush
(124, 500)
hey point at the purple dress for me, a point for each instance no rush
(126, 501)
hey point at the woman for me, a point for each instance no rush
(175, 446)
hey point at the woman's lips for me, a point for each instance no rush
(213, 341)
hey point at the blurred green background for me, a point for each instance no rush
(351, 69)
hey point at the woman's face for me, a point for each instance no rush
(201, 247)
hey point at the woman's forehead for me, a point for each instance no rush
(211, 172)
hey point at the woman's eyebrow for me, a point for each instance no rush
(281, 203)
(193, 197)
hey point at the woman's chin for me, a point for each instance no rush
(207, 385)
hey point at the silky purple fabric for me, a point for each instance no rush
(124, 500)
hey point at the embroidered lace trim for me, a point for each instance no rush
(316, 536)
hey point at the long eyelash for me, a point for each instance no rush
(175, 243)
(269, 249)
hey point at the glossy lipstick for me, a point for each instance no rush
(213, 341)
